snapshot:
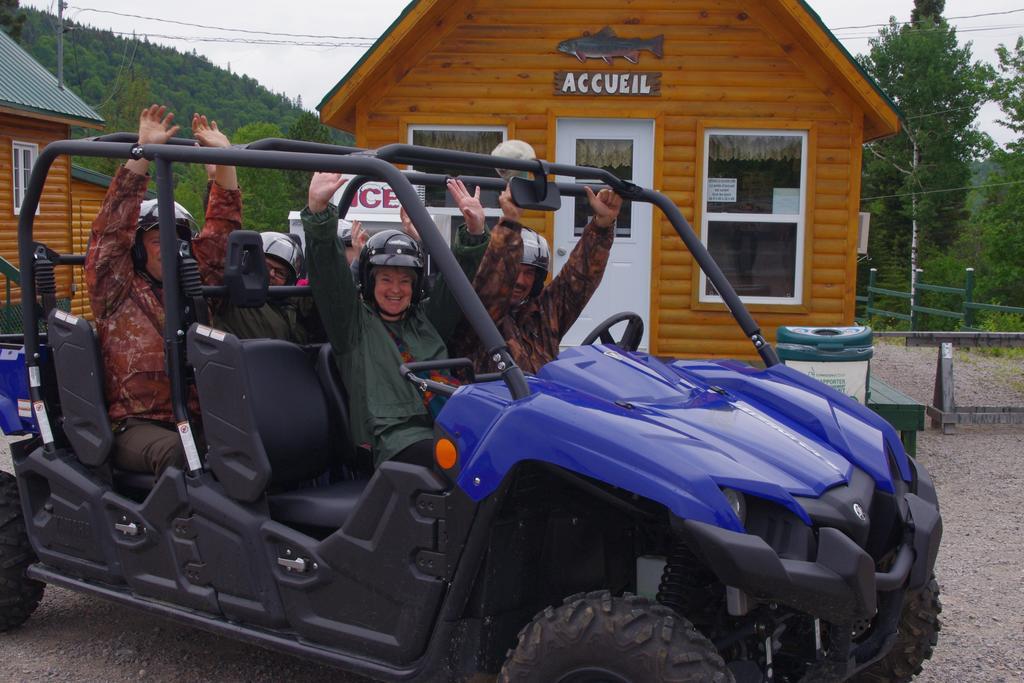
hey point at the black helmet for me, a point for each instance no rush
(149, 218)
(536, 254)
(390, 248)
(283, 248)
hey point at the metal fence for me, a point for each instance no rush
(914, 309)
(10, 311)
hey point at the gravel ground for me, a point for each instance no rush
(981, 567)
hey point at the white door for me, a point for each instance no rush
(626, 148)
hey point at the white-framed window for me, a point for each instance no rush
(753, 218)
(477, 139)
(24, 154)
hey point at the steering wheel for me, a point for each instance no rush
(630, 340)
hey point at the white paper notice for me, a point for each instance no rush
(722, 190)
(786, 200)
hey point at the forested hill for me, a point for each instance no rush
(117, 75)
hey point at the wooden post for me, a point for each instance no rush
(943, 408)
(915, 300)
(969, 299)
(872, 275)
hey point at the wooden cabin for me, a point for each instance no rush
(748, 114)
(34, 112)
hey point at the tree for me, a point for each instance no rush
(926, 11)
(1000, 233)
(267, 195)
(11, 18)
(939, 88)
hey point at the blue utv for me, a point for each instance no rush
(615, 518)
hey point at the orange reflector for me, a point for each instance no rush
(445, 454)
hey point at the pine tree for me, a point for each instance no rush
(11, 18)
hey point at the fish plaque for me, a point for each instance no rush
(607, 83)
(606, 45)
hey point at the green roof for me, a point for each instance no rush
(366, 55)
(25, 84)
(853, 60)
(87, 175)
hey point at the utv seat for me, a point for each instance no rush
(76, 357)
(84, 417)
(271, 422)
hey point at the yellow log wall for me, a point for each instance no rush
(86, 199)
(52, 223)
(727, 63)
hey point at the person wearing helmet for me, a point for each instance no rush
(377, 324)
(125, 281)
(293, 319)
(510, 282)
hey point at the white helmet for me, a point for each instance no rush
(285, 249)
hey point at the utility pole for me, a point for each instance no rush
(914, 231)
(60, 44)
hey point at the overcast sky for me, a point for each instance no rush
(348, 27)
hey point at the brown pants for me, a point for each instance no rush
(144, 446)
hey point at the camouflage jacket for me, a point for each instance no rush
(534, 329)
(129, 310)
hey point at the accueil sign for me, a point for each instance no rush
(646, 83)
(606, 46)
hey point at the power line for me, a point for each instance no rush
(948, 189)
(244, 41)
(1009, 28)
(221, 28)
(966, 16)
(943, 111)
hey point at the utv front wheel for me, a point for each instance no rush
(595, 638)
(918, 635)
(19, 595)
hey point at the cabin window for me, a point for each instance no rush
(476, 139)
(755, 186)
(25, 154)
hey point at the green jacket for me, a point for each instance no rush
(386, 412)
(293, 320)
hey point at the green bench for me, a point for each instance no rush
(904, 413)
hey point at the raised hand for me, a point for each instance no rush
(321, 188)
(605, 205)
(156, 127)
(207, 133)
(509, 209)
(469, 204)
(408, 227)
(359, 236)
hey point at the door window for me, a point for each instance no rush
(615, 156)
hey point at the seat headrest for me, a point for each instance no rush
(245, 269)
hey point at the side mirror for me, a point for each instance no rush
(537, 194)
(245, 269)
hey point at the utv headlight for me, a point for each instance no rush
(738, 503)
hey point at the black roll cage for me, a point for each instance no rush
(367, 165)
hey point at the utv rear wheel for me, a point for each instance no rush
(596, 638)
(19, 595)
(919, 633)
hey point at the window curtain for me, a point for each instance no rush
(754, 147)
(604, 153)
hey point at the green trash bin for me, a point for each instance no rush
(837, 356)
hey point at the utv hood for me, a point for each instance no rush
(674, 432)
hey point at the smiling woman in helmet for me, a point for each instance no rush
(377, 324)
